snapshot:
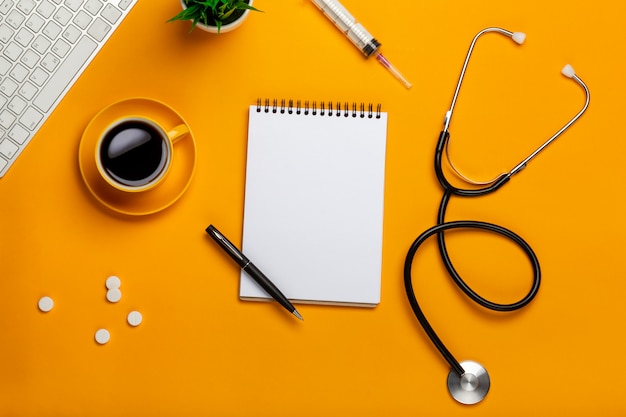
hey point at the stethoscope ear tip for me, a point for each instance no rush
(568, 71)
(472, 386)
(519, 37)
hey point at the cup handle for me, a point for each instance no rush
(177, 133)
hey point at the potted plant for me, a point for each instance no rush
(215, 16)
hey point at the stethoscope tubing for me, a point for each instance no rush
(494, 228)
(442, 227)
(444, 136)
(439, 230)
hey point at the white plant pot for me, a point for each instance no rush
(225, 27)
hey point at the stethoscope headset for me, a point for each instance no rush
(468, 381)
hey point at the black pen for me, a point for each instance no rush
(252, 270)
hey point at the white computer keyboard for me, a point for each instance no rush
(44, 47)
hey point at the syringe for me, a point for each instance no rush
(357, 34)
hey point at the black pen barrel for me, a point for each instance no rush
(258, 276)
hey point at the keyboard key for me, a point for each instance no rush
(27, 90)
(17, 105)
(93, 6)
(41, 44)
(99, 29)
(82, 19)
(72, 33)
(6, 119)
(5, 65)
(13, 51)
(39, 76)
(64, 75)
(50, 62)
(111, 14)
(8, 149)
(52, 30)
(31, 118)
(30, 58)
(18, 134)
(3, 163)
(124, 4)
(74, 5)
(5, 6)
(26, 6)
(24, 36)
(35, 22)
(6, 33)
(61, 48)
(19, 73)
(8, 87)
(62, 16)
(15, 19)
(46, 9)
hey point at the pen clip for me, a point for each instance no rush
(228, 246)
(232, 249)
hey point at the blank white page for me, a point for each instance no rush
(313, 212)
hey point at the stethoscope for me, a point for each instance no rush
(468, 381)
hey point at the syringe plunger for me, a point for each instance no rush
(346, 23)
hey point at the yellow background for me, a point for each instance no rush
(201, 351)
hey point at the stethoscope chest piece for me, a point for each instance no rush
(472, 386)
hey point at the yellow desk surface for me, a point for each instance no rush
(202, 352)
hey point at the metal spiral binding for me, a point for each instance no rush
(324, 109)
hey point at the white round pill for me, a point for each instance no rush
(114, 295)
(113, 282)
(103, 336)
(134, 318)
(45, 304)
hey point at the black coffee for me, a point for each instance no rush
(133, 153)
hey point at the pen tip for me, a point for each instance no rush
(295, 313)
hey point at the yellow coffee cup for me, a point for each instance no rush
(134, 153)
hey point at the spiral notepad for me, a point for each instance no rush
(313, 211)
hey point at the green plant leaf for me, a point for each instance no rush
(187, 14)
(204, 11)
(239, 4)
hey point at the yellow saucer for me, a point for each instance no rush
(145, 202)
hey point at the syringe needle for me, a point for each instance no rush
(357, 34)
(380, 58)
